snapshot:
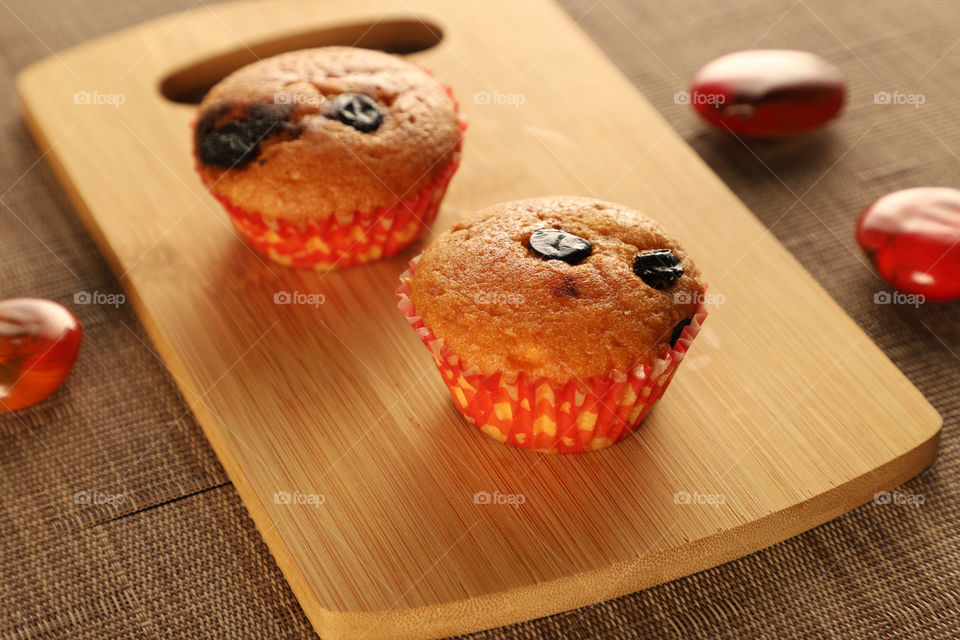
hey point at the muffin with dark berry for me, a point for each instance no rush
(556, 322)
(329, 157)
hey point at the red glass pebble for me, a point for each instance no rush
(913, 238)
(39, 342)
(769, 93)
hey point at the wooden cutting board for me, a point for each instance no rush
(783, 416)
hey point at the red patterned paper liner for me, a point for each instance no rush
(367, 236)
(546, 415)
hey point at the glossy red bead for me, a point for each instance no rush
(39, 342)
(770, 93)
(913, 238)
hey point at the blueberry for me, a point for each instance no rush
(677, 330)
(554, 244)
(237, 141)
(659, 268)
(356, 110)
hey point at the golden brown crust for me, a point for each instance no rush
(502, 308)
(325, 167)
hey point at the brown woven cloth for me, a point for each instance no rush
(179, 557)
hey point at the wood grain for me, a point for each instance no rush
(783, 408)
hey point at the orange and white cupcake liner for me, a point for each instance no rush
(543, 414)
(325, 244)
(366, 236)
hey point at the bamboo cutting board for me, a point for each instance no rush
(330, 418)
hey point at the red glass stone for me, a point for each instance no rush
(768, 93)
(39, 342)
(913, 238)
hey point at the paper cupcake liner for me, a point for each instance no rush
(544, 414)
(365, 236)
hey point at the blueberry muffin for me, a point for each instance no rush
(329, 157)
(556, 322)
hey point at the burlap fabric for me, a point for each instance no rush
(180, 558)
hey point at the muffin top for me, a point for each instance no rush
(325, 132)
(564, 287)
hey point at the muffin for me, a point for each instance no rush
(329, 157)
(556, 323)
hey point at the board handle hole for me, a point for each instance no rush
(188, 85)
